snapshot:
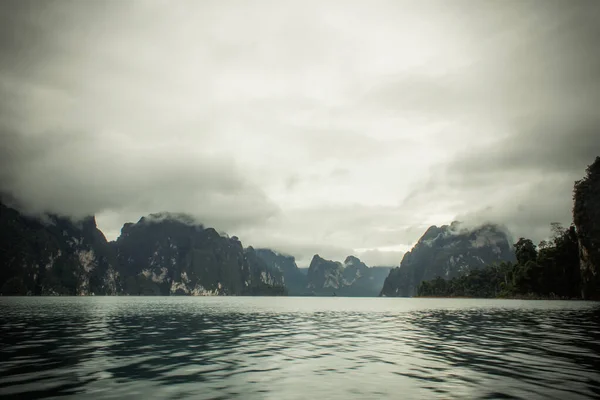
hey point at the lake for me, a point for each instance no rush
(298, 348)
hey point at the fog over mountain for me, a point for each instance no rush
(313, 127)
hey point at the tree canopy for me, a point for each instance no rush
(551, 272)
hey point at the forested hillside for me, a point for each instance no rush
(566, 266)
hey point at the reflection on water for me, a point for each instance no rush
(298, 348)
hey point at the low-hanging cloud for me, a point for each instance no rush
(77, 176)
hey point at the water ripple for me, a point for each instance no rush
(297, 348)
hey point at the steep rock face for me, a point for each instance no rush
(351, 278)
(54, 256)
(447, 251)
(586, 217)
(323, 274)
(362, 280)
(165, 254)
(162, 254)
(295, 280)
(262, 279)
(354, 269)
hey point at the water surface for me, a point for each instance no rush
(297, 348)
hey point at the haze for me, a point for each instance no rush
(330, 127)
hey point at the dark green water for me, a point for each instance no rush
(298, 348)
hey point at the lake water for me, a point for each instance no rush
(297, 348)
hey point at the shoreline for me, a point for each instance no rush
(506, 298)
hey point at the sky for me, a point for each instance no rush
(329, 127)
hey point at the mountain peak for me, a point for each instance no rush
(317, 258)
(351, 260)
(448, 251)
(163, 216)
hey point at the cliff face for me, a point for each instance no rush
(54, 256)
(447, 252)
(351, 278)
(160, 255)
(586, 217)
(295, 280)
(262, 279)
(323, 274)
(165, 255)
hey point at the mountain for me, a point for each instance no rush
(54, 256)
(294, 278)
(351, 278)
(586, 218)
(324, 274)
(162, 254)
(447, 252)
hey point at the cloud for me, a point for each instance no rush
(310, 127)
(378, 258)
(78, 176)
(554, 145)
(524, 181)
(337, 231)
(540, 94)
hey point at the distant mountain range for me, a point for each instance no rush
(165, 255)
(170, 254)
(350, 278)
(162, 254)
(325, 277)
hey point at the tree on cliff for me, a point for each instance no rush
(525, 251)
(586, 217)
(551, 272)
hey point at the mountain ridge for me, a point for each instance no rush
(448, 251)
(350, 278)
(161, 254)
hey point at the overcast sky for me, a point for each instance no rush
(330, 127)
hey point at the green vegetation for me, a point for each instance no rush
(550, 270)
(565, 267)
(448, 251)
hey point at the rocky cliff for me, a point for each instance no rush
(162, 254)
(586, 217)
(165, 254)
(54, 256)
(447, 251)
(324, 274)
(350, 278)
(295, 280)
